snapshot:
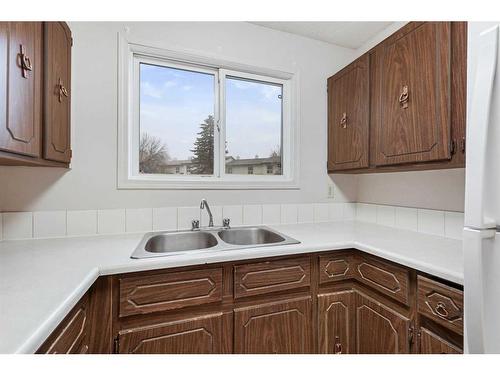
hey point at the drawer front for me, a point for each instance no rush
(168, 291)
(336, 267)
(273, 276)
(386, 278)
(431, 343)
(441, 303)
(72, 335)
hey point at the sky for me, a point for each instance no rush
(173, 103)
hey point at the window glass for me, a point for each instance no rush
(253, 126)
(176, 120)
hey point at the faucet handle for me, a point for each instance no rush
(195, 224)
(225, 223)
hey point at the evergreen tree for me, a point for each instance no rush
(203, 160)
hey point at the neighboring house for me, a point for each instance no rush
(258, 166)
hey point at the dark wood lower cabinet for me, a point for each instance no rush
(432, 343)
(380, 329)
(197, 335)
(274, 328)
(342, 302)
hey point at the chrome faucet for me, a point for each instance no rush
(204, 204)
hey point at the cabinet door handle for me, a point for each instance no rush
(62, 90)
(404, 97)
(338, 346)
(343, 121)
(25, 62)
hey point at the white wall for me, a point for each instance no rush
(91, 182)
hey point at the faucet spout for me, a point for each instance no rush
(204, 204)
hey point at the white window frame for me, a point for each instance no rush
(131, 54)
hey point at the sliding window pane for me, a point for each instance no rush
(253, 127)
(176, 121)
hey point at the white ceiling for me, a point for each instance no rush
(345, 34)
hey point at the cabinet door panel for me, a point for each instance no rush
(274, 328)
(199, 335)
(20, 85)
(431, 343)
(57, 107)
(348, 117)
(336, 322)
(414, 90)
(379, 328)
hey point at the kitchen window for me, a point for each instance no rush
(197, 124)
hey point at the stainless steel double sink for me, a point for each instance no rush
(210, 239)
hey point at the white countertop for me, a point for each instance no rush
(41, 280)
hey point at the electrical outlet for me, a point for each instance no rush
(331, 190)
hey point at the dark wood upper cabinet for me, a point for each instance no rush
(415, 99)
(412, 83)
(21, 72)
(348, 117)
(35, 88)
(57, 91)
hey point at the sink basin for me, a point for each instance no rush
(208, 239)
(250, 236)
(182, 241)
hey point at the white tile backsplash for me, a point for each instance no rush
(321, 212)
(336, 211)
(165, 218)
(49, 224)
(234, 214)
(289, 214)
(431, 222)
(406, 218)
(349, 211)
(271, 214)
(111, 221)
(366, 212)
(386, 215)
(185, 215)
(139, 219)
(305, 213)
(453, 224)
(252, 214)
(17, 225)
(81, 222)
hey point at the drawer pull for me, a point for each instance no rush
(440, 309)
(404, 97)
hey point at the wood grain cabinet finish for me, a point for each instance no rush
(169, 290)
(273, 276)
(21, 73)
(348, 117)
(72, 335)
(336, 316)
(384, 277)
(432, 343)
(413, 87)
(379, 328)
(57, 92)
(441, 303)
(337, 266)
(198, 335)
(283, 327)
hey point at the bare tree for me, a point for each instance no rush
(275, 152)
(153, 154)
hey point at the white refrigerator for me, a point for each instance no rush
(482, 191)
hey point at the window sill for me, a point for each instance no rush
(202, 184)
